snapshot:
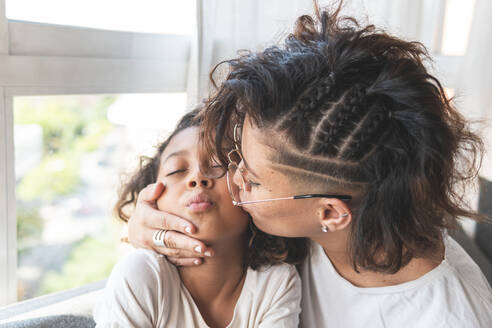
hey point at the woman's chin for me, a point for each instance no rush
(260, 224)
(280, 231)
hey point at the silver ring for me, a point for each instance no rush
(159, 238)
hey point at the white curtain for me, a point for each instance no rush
(474, 86)
(225, 26)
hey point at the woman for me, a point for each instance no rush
(243, 285)
(351, 117)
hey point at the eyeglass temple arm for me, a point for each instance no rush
(342, 197)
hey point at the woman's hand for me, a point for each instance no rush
(181, 249)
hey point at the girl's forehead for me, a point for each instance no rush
(184, 141)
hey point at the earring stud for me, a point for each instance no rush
(325, 228)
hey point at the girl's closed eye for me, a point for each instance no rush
(176, 172)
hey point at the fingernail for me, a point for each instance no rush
(207, 253)
(198, 249)
(196, 262)
(188, 229)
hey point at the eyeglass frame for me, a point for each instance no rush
(241, 172)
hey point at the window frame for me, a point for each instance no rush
(99, 62)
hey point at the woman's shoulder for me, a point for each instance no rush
(458, 288)
(465, 271)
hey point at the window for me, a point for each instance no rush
(46, 64)
(69, 153)
(458, 16)
(145, 16)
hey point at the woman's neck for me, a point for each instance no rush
(335, 247)
(216, 284)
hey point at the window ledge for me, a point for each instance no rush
(76, 302)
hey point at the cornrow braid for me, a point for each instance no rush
(308, 102)
(338, 122)
(362, 140)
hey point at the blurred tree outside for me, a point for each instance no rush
(75, 272)
(29, 225)
(72, 128)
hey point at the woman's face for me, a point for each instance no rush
(289, 218)
(203, 201)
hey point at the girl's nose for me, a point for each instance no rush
(198, 180)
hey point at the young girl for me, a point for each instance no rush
(242, 285)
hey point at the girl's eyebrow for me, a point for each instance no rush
(176, 153)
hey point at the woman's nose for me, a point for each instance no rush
(198, 180)
(237, 179)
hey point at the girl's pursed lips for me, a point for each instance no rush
(199, 202)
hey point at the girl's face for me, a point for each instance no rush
(203, 201)
(289, 218)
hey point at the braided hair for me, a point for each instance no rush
(356, 108)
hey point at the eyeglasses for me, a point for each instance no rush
(235, 157)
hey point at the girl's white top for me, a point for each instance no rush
(144, 290)
(454, 294)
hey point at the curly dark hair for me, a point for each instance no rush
(263, 249)
(360, 111)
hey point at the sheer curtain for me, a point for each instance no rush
(474, 85)
(225, 26)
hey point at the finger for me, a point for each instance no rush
(151, 193)
(155, 219)
(179, 241)
(177, 244)
(185, 262)
(176, 252)
(158, 190)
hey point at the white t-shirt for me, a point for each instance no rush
(144, 290)
(454, 294)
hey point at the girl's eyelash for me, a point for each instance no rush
(174, 172)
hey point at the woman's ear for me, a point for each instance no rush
(334, 214)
